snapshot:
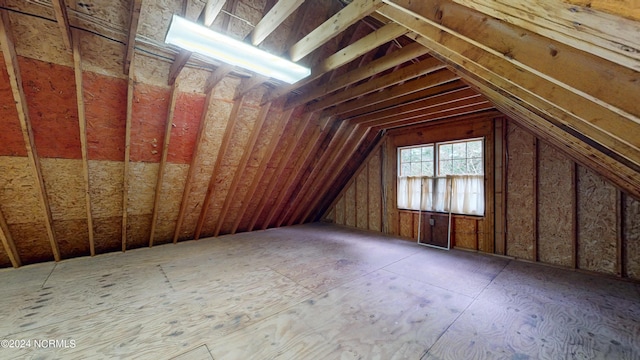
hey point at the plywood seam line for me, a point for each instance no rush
(163, 161)
(15, 78)
(82, 124)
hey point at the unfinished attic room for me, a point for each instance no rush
(321, 179)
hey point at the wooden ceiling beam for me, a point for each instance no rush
(82, 124)
(224, 145)
(415, 90)
(134, 18)
(163, 161)
(7, 42)
(412, 71)
(608, 36)
(249, 150)
(617, 132)
(339, 22)
(127, 156)
(8, 244)
(62, 18)
(417, 106)
(344, 56)
(278, 134)
(276, 16)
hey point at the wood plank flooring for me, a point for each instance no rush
(314, 291)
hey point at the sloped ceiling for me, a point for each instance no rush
(113, 140)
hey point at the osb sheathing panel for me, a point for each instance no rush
(115, 13)
(4, 258)
(631, 230)
(350, 201)
(215, 125)
(520, 193)
(555, 207)
(362, 205)
(239, 140)
(331, 215)
(155, 17)
(65, 188)
(31, 7)
(406, 224)
(19, 191)
(142, 187)
(274, 117)
(255, 200)
(184, 127)
(192, 80)
(138, 231)
(51, 98)
(151, 70)
(222, 184)
(106, 112)
(375, 193)
(107, 234)
(38, 39)
(72, 237)
(249, 10)
(148, 123)
(105, 188)
(11, 135)
(100, 55)
(340, 209)
(483, 235)
(596, 223)
(31, 242)
(464, 233)
(164, 231)
(173, 183)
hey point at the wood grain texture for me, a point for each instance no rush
(631, 240)
(597, 234)
(520, 193)
(555, 204)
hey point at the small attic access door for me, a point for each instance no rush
(434, 229)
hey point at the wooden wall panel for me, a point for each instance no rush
(105, 189)
(555, 207)
(150, 105)
(375, 192)
(72, 237)
(18, 194)
(631, 231)
(406, 224)
(31, 242)
(105, 101)
(11, 135)
(521, 193)
(65, 188)
(175, 176)
(350, 206)
(465, 233)
(362, 203)
(187, 115)
(340, 211)
(597, 235)
(47, 46)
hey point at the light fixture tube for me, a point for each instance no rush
(202, 40)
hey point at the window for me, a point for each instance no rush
(456, 183)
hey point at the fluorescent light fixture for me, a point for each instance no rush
(202, 40)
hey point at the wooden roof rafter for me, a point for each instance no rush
(60, 11)
(134, 17)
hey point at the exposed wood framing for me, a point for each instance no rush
(536, 190)
(343, 155)
(163, 161)
(457, 108)
(248, 84)
(82, 123)
(296, 200)
(127, 156)
(615, 38)
(211, 9)
(192, 167)
(136, 5)
(310, 148)
(362, 72)
(439, 82)
(620, 258)
(277, 136)
(248, 151)
(60, 11)
(330, 28)
(281, 164)
(619, 153)
(15, 78)
(499, 185)
(233, 117)
(217, 76)
(574, 216)
(278, 14)
(409, 72)
(8, 244)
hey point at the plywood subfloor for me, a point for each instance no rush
(314, 291)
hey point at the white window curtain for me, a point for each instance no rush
(432, 193)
